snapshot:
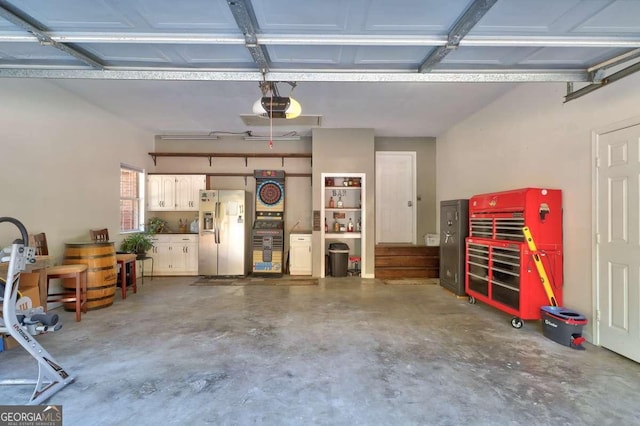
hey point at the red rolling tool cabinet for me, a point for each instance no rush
(500, 270)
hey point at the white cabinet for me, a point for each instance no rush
(188, 191)
(300, 254)
(342, 215)
(174, 192)
(175, 254)
(161, 190)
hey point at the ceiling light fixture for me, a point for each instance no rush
(188, 137)
(272, 105)
(274, 138)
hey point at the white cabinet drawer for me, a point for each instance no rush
(176, 238)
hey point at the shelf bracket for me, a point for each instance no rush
(245, 181)
(282, 160)
(210, 162)
(246, 161)
(153, 157)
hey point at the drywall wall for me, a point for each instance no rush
(60, 163)
(297, 188)
(345, 151)
(425, 149)
(529, 138)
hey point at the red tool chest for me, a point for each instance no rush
(500, 270)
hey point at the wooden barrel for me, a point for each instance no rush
(102, 275)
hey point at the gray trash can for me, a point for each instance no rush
(339, 259)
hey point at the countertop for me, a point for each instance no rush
(176, 233)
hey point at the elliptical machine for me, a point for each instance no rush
(22, 321)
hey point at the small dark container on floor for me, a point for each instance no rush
(339, 259)
(563, 326)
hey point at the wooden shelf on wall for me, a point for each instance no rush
(246, 156)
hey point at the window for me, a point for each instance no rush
(131, 199)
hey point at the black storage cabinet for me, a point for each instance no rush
(454, 228)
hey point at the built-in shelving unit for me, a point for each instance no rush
(342, 200)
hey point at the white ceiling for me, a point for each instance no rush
(401, 67)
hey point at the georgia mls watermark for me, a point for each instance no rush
(30, 415)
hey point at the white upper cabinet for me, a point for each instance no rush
(174, 192)
(161, 190)
(188, 191)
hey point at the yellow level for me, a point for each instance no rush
(539, 266)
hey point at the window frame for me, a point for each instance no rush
(139, 199)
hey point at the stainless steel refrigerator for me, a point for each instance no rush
(225, 228)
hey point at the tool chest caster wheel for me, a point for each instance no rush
(472, 300)
(516, 322)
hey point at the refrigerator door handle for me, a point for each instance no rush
(217, 223)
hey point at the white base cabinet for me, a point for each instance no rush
(174, 254)
(300, 254)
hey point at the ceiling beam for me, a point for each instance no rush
(26, 22)
(625, 57)
(504, 76)
(327, 40)
(461, 28)
(605, 81)
(246, 21)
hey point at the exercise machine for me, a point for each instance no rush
(22, 321)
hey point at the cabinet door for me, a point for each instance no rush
(176, 259)
(188, 191)
(162, 192)
(154, 192)
(183, 192)
(161, 254)
(190, 258)
(300, 258)
(198, 182)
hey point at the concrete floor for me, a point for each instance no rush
(349, 351)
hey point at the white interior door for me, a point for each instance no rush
(395, 197)
(618, 241)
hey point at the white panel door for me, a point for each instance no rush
(618, 249)
(395, 197)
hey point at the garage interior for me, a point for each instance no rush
(491, 95)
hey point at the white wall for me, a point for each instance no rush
(529, 138)
(346, 151)
(425, 149)
(297, 215)
(60, 163)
